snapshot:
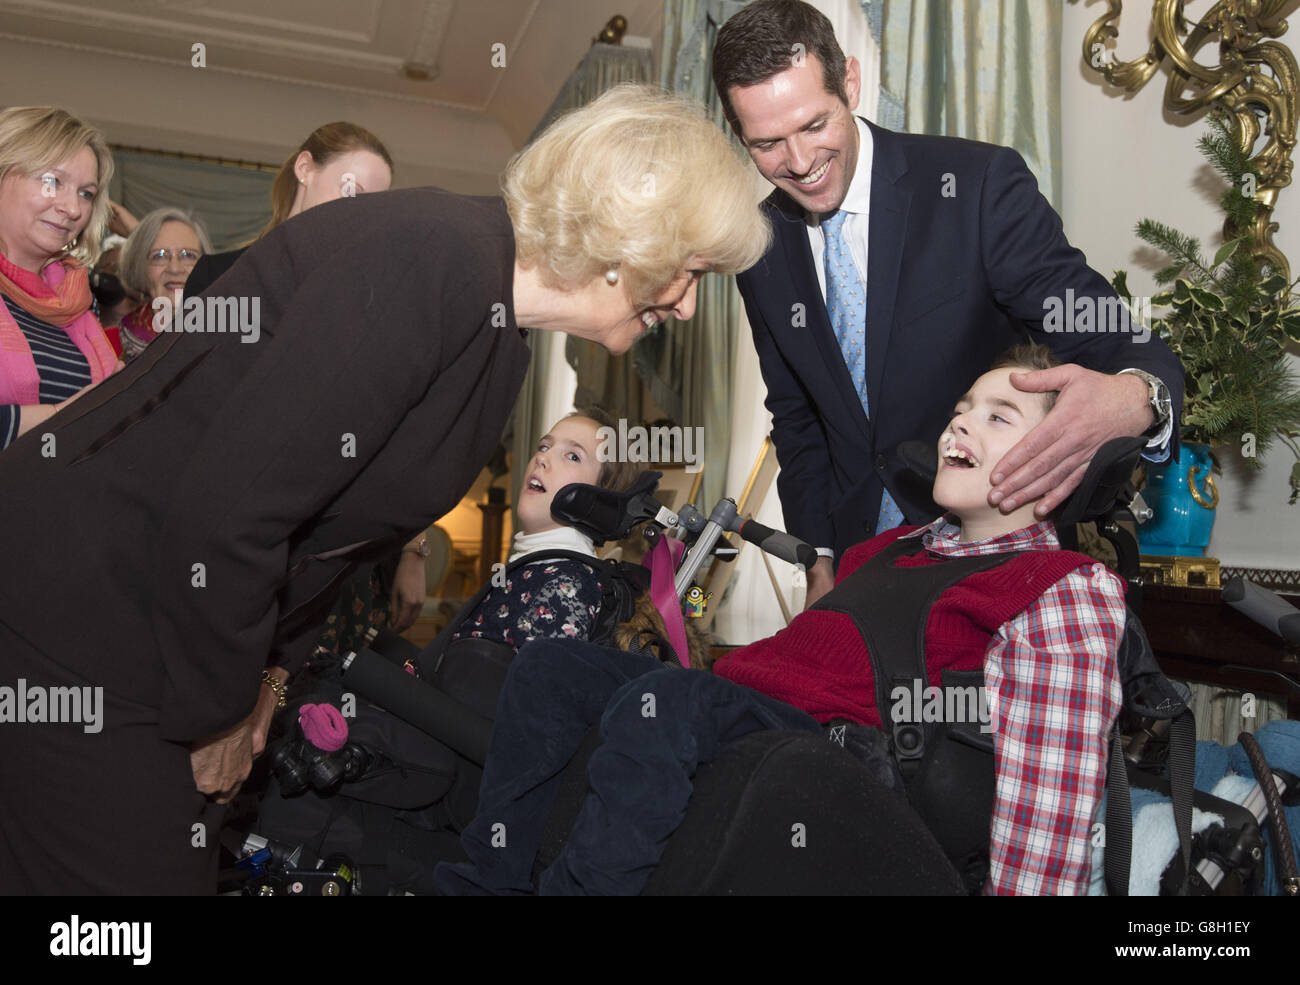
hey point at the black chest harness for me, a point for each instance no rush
(947, 766)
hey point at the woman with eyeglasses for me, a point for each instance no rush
(156, 260)
(54, 173)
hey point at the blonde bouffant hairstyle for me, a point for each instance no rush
(34, 138)
(638, 180)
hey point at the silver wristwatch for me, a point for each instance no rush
(1161, 402)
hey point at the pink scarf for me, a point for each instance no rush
(19, 381)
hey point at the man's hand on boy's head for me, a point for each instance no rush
(1050, 460)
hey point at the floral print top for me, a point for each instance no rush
(544, 599)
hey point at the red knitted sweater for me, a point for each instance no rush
(819, 662)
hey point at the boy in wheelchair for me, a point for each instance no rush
(1044, 628)
(1041, 623)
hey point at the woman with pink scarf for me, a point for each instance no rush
(54, 207)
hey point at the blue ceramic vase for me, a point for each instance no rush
(1183, 497)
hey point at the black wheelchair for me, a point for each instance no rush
(379, 814)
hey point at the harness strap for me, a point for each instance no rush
(1182, 773)
(1119, 820)
(896, 645)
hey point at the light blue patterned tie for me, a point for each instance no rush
(846, 304)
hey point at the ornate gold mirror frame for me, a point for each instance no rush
(1255, 84)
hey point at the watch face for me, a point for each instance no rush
(1161, 397)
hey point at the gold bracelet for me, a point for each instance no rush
(269, 680)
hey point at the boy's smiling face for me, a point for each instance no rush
(986, 424)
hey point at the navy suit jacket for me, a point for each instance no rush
(963, 250)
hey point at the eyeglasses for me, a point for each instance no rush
(184, 257)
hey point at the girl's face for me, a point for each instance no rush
(172, 257)
(566, 454)
(342, 176)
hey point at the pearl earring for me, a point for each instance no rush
(611, 275)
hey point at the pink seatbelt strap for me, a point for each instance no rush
(662, 562)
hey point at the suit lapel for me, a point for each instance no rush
(791, 229)
(886, 234)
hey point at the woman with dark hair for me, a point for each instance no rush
(245, 482)
(338, 160)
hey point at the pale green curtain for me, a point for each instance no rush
(601, 68)
(233, 203)
(981, 69)
(688, 365)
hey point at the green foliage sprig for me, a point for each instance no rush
(1229, 321)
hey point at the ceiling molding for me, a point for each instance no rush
(427, 49)
(366, 37)
(243, 73)
(510, 54)
(260, 41)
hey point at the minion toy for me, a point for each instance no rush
(696, 600)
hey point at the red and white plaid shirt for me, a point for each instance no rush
(1053, 694)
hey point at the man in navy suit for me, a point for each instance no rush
(902, 265)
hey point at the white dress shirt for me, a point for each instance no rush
(858, 204)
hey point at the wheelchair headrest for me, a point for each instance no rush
(605, 514)
(1104, 483)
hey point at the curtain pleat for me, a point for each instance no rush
(982, 69)
(232, 203)
(689, 365)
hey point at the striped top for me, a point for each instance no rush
(59, 363)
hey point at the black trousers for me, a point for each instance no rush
(85, 812)
(658, 724)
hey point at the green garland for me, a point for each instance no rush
(1230, 322)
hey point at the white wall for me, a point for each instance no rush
(1125, 159)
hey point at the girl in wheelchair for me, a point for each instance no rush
(994, 593)
(553, 586)
(551, 597)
